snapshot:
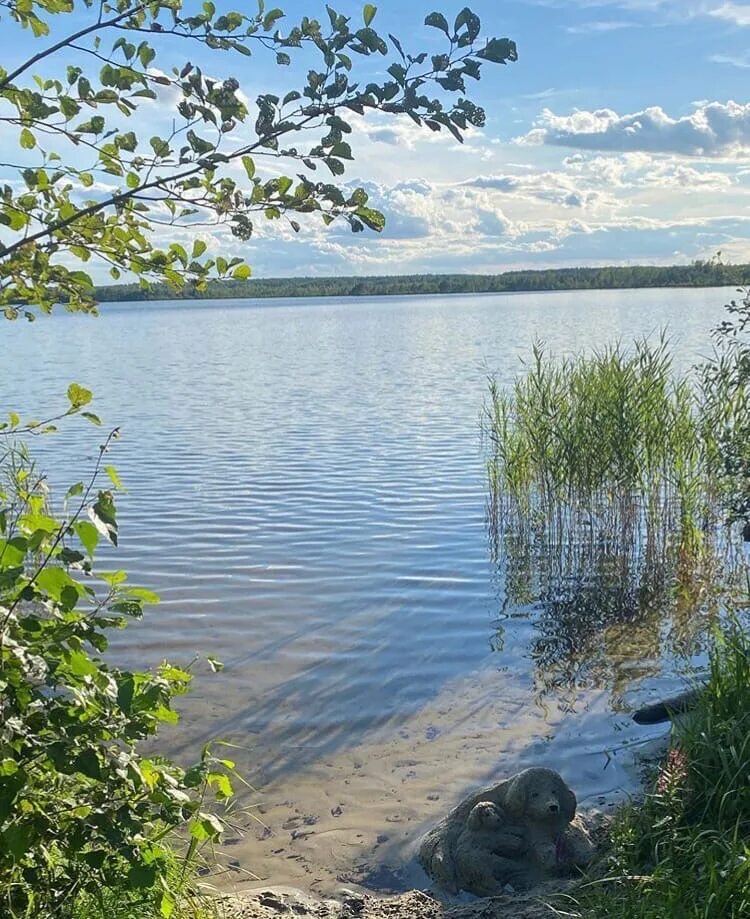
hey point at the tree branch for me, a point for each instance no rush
(66, 41)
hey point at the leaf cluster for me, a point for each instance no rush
(725, 396)
(81, 807)
(89, 186)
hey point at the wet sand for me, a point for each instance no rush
(353, 819)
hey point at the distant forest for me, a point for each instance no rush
(699, 274)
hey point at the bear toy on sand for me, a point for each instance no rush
(515, 834)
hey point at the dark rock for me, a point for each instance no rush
(272, 902)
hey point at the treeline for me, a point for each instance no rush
(699, 274)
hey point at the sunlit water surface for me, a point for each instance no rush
(306, 493)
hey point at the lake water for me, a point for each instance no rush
(306, 493)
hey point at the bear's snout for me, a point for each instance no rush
(554, 808)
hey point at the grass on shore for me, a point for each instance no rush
(190, 901)
(684, 853)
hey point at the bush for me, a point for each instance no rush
(685, 851)
(81, 809)
(725, 391)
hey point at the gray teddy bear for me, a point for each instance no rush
(516, 833)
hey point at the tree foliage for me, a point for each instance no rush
(725, 391)
(91, 185)
(81, 808)
(605, 278)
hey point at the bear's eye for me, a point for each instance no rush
(534, 794)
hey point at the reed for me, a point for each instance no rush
(606, 453)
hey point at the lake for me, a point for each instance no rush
(306, 492)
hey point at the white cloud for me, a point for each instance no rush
(492, 222)
(737, 13)
(601, 26)
(676, 175)
(661, 12)
(713, 129)
(556, 187)
(741, 61)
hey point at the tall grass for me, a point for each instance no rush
(685, 851)
(605, 451)
(192, 898)
(603, 456)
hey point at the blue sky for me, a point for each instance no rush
(622, 135)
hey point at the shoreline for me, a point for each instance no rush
(631, 277)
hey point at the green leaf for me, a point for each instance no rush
(102, 515)
(87, 762)
(174, 673)
(114, 477)
(270, 19)
(368, 14)
(52, 581)
(200, 831)
(88, 535)
(199, 144)
(159, 146)
(167, 904)
(199, 247)
(144, 595)
(469, 19)
(242, 272)
(12, 552)
(81, 664)
(179, 251)
(167, 715)
(221, 783)
(374, 219)
(142, 876)
(78, 396)
(28, 141)
(499, 51)
(247, 162)
(17, 838)
(438, 21)
(146, 54)
(342, 150)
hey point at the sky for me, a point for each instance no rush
(621, 136)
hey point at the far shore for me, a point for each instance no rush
(629, 277)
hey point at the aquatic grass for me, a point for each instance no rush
(685, 850)
(606, 452)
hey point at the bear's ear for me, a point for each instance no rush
(568, 802)
(475, 819)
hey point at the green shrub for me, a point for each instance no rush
(81, 809)
(725, 403)
(685, 851)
